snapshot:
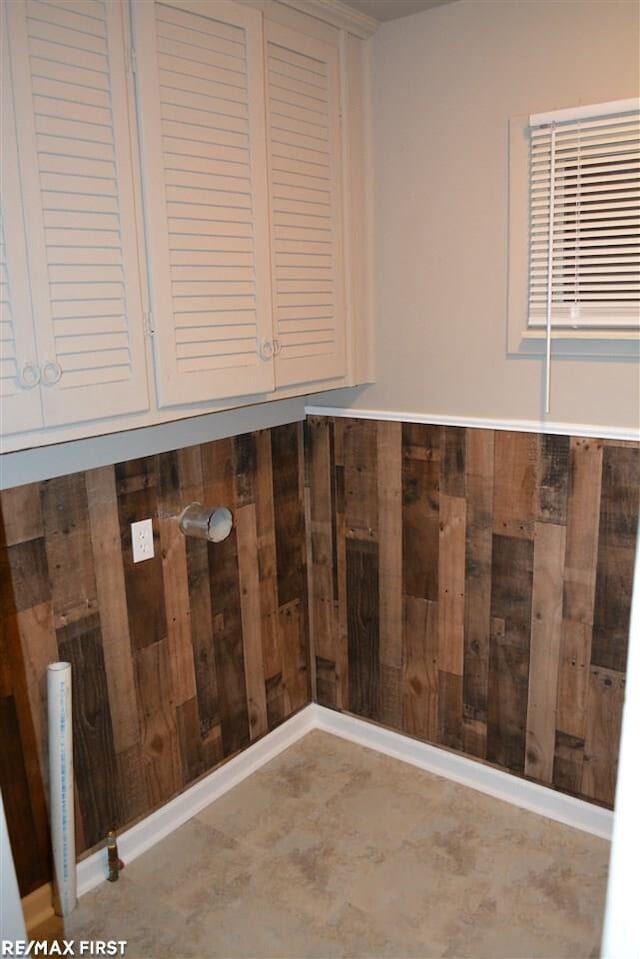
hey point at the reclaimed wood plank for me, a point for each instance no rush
(573, 678)
(546, 635)
(605, 699)
(477, 587)
(389, 461)
(295, 655)
(322, 549)
(96, 774)
(451, 580)
(363, 627)
(420, 506)
(420, 669)
(553, 478)
(619, 507)
(360, 452)
(583, 509)
(112, 603)
(202, 639)
(159, 737)
(511, 587)
(515, 491)
(136, 482)
(568, 763)
(289, 514)
(453, 469)
(251, 619)
(450, 720)
(171, 502)
(244, 469)
(68, 546)
(21, 514)
(265, 529)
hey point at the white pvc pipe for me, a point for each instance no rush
(61, 785)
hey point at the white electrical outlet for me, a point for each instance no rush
(142, 540)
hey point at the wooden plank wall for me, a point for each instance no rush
(180, 661)
(472, 588)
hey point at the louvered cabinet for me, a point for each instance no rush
(303, 103)
(20, 400)
(201, 107)
(73, 135)
(182, 211)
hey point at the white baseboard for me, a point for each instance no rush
(476, 422)
(146, 833)
(468, 772)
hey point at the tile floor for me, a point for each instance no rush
(335, 850)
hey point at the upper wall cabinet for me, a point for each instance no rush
(184, 205)
(75, 159)
(20, 404)
(201, 108)
(303, 109)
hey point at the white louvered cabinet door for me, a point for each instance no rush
(306, 231)
(73, 130)
(20, 404)
(200, 88)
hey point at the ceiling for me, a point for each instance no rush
(392, 9)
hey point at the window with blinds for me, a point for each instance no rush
(584, 217)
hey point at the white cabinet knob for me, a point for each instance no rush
(51, 372)
(266, 349)
(276, 347)
(28, 375)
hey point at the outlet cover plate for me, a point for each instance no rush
(142, 540)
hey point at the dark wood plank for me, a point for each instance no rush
(137, 500)
(451, 582)
(553, 478)
(289, 515)
(453, 466)
(568, 763)
(322, 549)
(420, 505)
(477, 588)
(619, 506)
(295, 655)
(251, 620)
(605, 699)
(80, 643)
(450, 722)
(363, 627)
(511, 587)
(68, 544)
(244, 469)
(583, 508)
(202, 639)
(546, 637)
(21, 514)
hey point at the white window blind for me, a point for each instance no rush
(584, 206)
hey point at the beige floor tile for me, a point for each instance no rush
(333, 850)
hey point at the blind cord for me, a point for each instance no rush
(552, 173)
